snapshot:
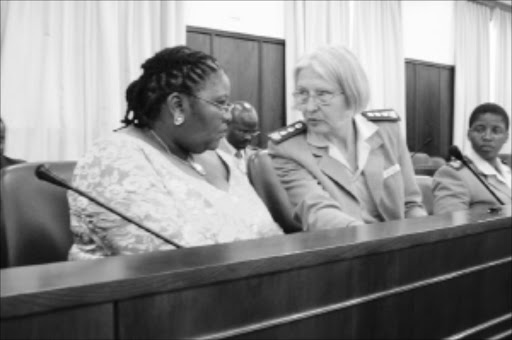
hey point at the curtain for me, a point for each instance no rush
(371, 29)
(65, 66)
(501, 64)
(309, 24)
(472, 65)
(378, 42)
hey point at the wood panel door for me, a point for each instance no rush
(255, 66)
(429, 101)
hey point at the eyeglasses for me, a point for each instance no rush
(323, 98)
(251, 133)
(481, 130)
(224, 107)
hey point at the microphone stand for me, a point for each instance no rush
(43, 173)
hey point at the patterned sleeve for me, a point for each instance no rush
(117, 172)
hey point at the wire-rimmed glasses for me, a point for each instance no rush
(320, 97)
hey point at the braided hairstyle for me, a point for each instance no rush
(177, 69)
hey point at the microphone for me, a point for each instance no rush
(455, 152)
(422, 146)
(43, 173)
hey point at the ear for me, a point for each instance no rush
(175, 103)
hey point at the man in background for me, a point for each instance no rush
(242, 129)
(4, 160)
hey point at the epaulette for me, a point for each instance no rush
(287, 132)
(388, 115)
(457, 164)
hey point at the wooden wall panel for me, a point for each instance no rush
(429, 102)
(200, 41)
(240, 59)
(446, 89)
(433, 277)
(364, 288)
(273, 106)
(427, 106)
(91, 322)
(410, 80)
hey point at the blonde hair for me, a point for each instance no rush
(340, 66)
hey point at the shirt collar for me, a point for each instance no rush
(231, 148)
(487, 169)
(365, 129)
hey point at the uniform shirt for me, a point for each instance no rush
(455, 187)
(323, 197)
(240, 155)
(359, 184)
(503, 175)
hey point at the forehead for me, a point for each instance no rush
(244, 120)
(217, 84)
(489, 118)
(311, 76)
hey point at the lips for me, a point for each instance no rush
(487, 147)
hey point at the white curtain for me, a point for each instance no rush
(309, 24)
(472, 65)
(371, 29)
(378, 42)
(65, 66)
(501, 64)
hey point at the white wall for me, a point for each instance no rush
(429, 31)
(264, 18)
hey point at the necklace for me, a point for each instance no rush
(189, 162)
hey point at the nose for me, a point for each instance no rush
(487, 134)
(227, 116)
(310, 104)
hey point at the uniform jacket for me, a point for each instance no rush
(456, 188)
(321, 197)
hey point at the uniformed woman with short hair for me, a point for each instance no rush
(455, 187)
(342, 166)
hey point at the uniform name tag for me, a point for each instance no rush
(391, 170)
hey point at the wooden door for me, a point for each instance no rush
(429, 101)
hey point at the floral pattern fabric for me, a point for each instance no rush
(139, 181)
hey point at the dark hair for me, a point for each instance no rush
(489, 108)
(177, 69)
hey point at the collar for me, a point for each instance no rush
(231, 149)
(365, 130)
(487, 169)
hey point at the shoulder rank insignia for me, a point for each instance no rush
(287, 132)
(388, 115)
(455, 164)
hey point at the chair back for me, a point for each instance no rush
(425, 184)
(35, 215)
(263, 178)
(437, 161)
(420, 158)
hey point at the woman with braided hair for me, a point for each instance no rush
(162, 167)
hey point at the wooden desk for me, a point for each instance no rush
(434, 277)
